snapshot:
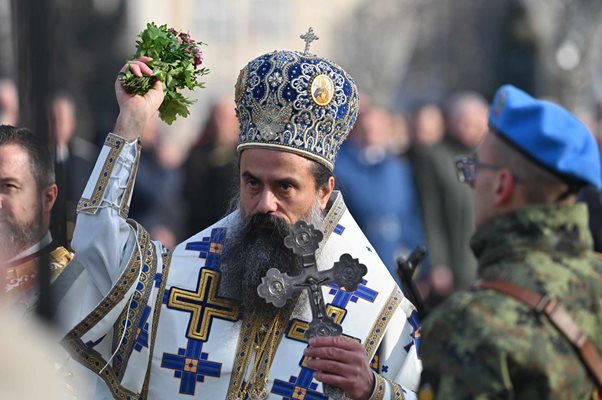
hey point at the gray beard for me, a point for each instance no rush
(15, 237)
(254, 245)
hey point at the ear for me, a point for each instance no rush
(505, 187)
(49, 197)
(325, 191)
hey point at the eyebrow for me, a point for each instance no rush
(288, 180)
(9, 180)
(248, 175)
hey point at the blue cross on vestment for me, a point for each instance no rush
(142, 330)
(299, 387)
(210, 248)
(191, 365)
(343, 297)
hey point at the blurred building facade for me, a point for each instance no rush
(399, 51)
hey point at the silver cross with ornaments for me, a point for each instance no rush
(278, 287)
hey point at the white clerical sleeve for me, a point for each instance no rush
(123, 268)
(103, 239)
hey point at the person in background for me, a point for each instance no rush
(532, 323)
(27, 194)
(157, 201)
(9, 102)
(379, 187)
(212, 163)
(448, 207)
(73, 165)
(426, 134)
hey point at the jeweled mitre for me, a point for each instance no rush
(296, 102)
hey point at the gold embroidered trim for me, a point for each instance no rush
(124, 208)
(156, 315)
(90, 206)
(89, 357)
(332, 219)
(379, 388)
(59, 258)
(396, 390)
(139, 302)
(380, 325)
(252, 332)
(243, 352)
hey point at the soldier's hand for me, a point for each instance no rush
(341, 362)
(135, 111)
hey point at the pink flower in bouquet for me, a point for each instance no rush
(185, 37)
(198, 57)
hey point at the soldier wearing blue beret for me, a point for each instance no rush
(531, 327)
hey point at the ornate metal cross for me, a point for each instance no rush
(278, 287)
(309, 37)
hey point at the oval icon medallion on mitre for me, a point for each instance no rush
(322, 90)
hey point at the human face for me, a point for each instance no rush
(279, 183)
(20, 202)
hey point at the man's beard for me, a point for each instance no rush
(16, 237)
(254, 245)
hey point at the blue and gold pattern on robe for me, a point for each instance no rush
(191, 365)
(302, 385)
(80, 348)
(98, 183)
(192, 355)
(210, 248)
(203, 304)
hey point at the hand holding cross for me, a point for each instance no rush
(278, 287)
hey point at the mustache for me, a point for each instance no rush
(267, 225)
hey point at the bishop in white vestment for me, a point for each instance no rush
(158, 324)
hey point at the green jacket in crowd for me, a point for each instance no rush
(484, 345)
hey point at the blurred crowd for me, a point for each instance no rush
(396, 172)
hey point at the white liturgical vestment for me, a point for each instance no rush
(153, 325)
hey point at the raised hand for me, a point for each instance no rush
(341, 362)
(135, 111)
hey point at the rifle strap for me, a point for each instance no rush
(558, 316)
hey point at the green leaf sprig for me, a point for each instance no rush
(175, 62)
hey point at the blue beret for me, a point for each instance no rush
(548, 134)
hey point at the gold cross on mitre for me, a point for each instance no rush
(309, 37)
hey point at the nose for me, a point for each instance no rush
(267, 203)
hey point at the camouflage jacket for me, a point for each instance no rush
(484, 345)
